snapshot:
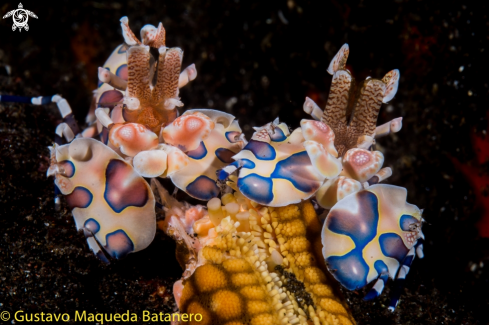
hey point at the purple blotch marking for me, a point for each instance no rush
(350, 269)
(122, 72)
(261, 150)
(110, 99)
(199, 152)
(233, 136)
(225, 155)
(69, 168)
(118, 244)
(203, 188)
(257, 188)
(406, 221)
(277, 135)
(124, 187)
(79, 198)
(361, 227)
(392, 245)
(293, 169)
(92, 225)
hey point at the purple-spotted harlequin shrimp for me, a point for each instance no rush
(140, 135)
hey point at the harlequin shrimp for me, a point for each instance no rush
(331, 158)
(255, 252)
(370, 232)
(278, 168)
(135, 116)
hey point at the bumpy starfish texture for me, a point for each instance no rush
(258, 266)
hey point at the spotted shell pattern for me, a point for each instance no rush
(368, 232)
(261, 253)
(276, 173)
(198, 178)
(109, 200)
(106, 95)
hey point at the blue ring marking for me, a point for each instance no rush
(392, 246)
(406, 220)
(122, 49)
(203, 188)
(231, 136)
(261, 150)
(81, 197)
(292, 169)
(246, 163)
(256, 188)
(350, 270)
(92, 225)
(119, 252)
(225, 155)
(119, 69)
(278, 135)
(361, 227)
(69, 175)
(198, 153)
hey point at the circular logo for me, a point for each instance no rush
(20, 17)
(5, 316)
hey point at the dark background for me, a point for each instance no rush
(268, 55)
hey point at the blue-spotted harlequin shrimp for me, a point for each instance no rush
(372, 235)
(370, 231)
(278, 168)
